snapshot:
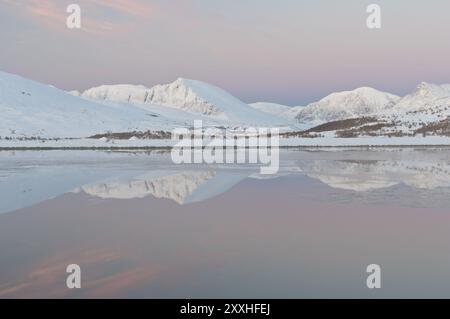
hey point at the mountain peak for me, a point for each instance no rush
(368, 90)
(423, 85)
(347, 104)
(423, 97)
(180, 81)
(363, 96)
(188, 95)
(430, 90)
(365, 89)
(128, 93)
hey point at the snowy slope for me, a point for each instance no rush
(31, 109)
(425, 112)
(292, 113)
(338, 106)
(289, 113)
(428, 104)
(425, 96)
(190, 96)
(74, 93)
(118, 93)
(271, 108)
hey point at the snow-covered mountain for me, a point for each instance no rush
(348, 104)
(136, 94)
(426, 96)
(424, 111)
(33, 110)
(195, 96)
(190, 96)
(30, 109)
(292, 113)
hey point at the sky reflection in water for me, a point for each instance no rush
(140, 226)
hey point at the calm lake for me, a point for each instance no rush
(140, 226)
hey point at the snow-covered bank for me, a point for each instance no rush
(84, 143)
(367, 141)
(284, 142)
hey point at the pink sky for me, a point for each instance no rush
(287, 51)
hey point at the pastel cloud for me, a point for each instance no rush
(134, 7)
(52, 14)
(288, 51)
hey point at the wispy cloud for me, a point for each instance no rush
(98, 16)
(134, 7)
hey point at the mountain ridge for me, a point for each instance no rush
(347, 104)
(33, 110)
(187, 95)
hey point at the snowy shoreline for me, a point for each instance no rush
(68, 144)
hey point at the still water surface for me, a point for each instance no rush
(142, 227)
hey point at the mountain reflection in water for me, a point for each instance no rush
(140, 226)
(27, 178)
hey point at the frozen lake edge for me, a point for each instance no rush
(97, 144)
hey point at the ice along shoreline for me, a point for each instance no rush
(325, 142)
